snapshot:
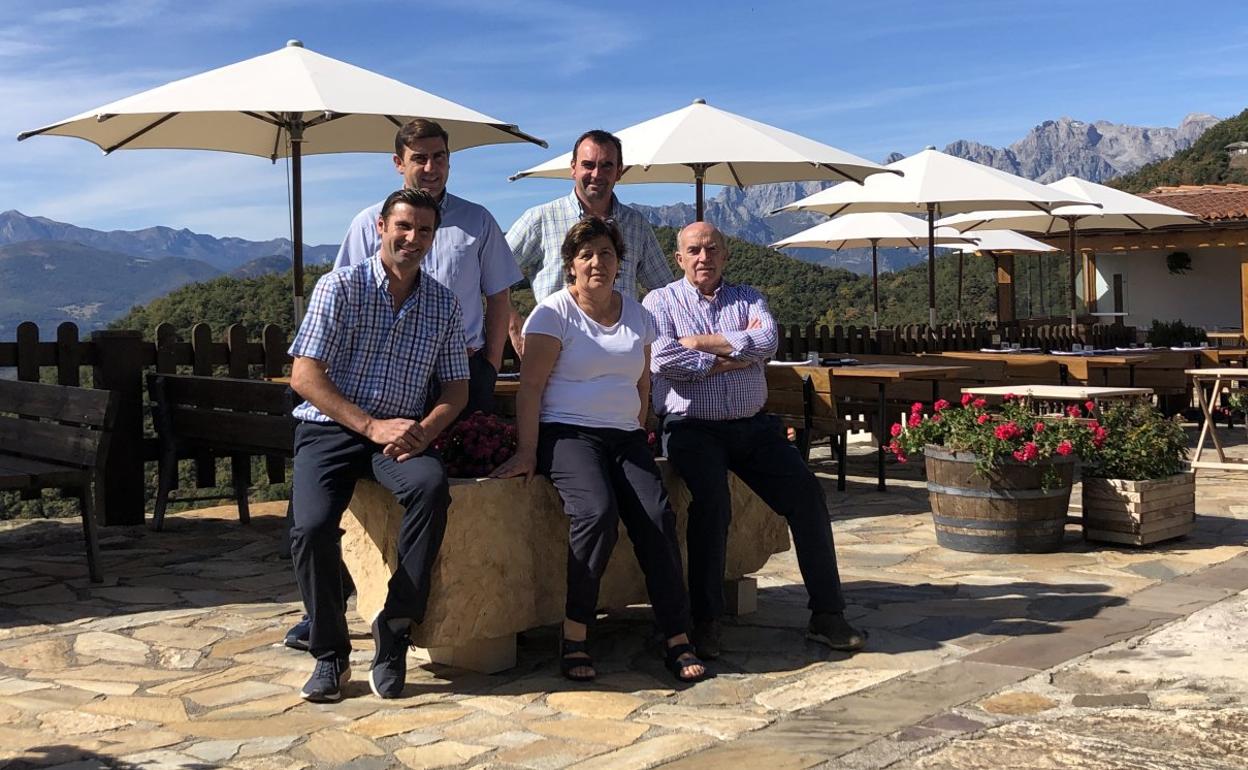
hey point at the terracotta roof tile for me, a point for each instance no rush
(1211, 202)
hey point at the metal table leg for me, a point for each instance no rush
(881, 435)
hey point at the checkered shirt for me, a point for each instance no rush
(536, 239)
(381, 360)
(681, 384)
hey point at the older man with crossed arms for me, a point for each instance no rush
(709, 387)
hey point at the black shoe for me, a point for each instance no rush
(327, 681)
(389, 670)
(706, 635)
(297, 636)
(832, 629)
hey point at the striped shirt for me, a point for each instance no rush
(537, 236)
(379, 359)
(681, 384)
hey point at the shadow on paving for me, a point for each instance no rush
(195, 562)
(83, 759)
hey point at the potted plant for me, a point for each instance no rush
(476, 445)
(999, 479)
(1135, 488)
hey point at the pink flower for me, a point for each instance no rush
(1073, 411)
(979, 403)
(940, 405)
(966, 398)
(1089, 406)
(1007, 431)
(915, 420)
(896, 429)
(1009, 397)
(1038, 428)
(1018, 455)
(935, 418)
(901, 457)
(1030, 450)
(1064, 448)
(916, 408)
(983, 418)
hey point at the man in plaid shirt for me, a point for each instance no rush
(709, 387)
(537, 236)
(374, 334)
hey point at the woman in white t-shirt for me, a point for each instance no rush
(584, 391)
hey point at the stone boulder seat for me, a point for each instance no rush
(501, 569)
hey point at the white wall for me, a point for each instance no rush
(1208, 295)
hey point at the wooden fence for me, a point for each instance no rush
(119, 361)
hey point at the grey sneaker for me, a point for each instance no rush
(388, 673)
(832, 629)
(327, 681)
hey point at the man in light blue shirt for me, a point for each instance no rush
(537, 236)
(470, 256)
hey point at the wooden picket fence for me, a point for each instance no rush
(120, 360)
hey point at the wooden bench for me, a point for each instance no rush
(803, 400)
(56, 437)
(210, 417)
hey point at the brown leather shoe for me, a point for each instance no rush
(705, 638)
(832, 629)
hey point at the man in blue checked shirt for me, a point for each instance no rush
(537, 236)
(374, 335)
(709, 387)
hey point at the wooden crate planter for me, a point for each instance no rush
(1139, 512)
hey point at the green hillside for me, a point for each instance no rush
(1205, 162)
(798, 292)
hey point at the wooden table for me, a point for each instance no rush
(1234, 336)
(882, 375)
(1060, 392)
(1219, 379)
(1219, 356)
(1105, 362)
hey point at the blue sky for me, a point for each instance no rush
(870, 78)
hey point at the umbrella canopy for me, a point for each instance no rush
(287, 103)
(873, 229)
(933, 182)
(704, 144)
(1108, 209)
(996, 240)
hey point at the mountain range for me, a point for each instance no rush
(53, 271)
(1096, 151)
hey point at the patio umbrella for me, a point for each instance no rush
(874, 230)
(1106, 209)
(706, 145)
(994, 243)
(288, 103)
(934, 182)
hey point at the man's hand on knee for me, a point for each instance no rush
(398, 436)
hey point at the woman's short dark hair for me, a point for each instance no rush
(417, 199)
(582, 233)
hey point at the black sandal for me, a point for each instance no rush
(677, 666)
(566, 664)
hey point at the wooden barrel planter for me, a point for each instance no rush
(1007, 510)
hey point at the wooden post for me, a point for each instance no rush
(119, 368)
(1089, 280)
(1006, 311)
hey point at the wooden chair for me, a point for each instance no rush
(218, 417)
(56, 437)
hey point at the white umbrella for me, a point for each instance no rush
(703, 144)
(1108, 209)
(934, 181)
(993, 243)
(854, 231)
(287, 103)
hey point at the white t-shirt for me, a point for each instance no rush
(594, 380)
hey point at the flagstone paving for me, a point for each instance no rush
(973, 660)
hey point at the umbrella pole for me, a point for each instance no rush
(961, 254)
(1074, 319)
(875, 285)
(931, 265)
(699, 176)
(296, 184)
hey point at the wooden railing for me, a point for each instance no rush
(119, 360)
